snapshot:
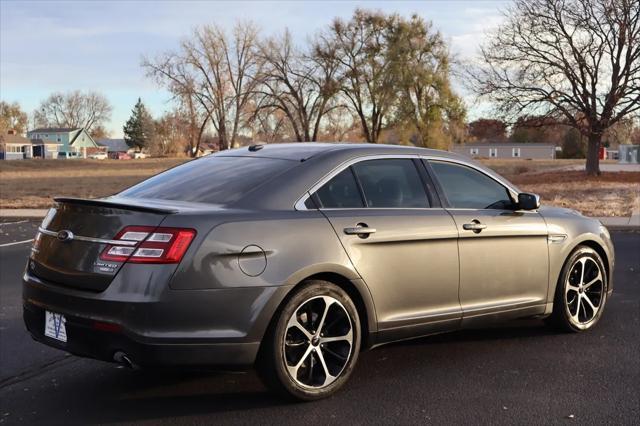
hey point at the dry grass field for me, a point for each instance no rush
(610, 194)
(33, 183)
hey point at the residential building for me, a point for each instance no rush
(116, 148)
(17, 147)
(505, 150)
(74, 142)
(14, 146)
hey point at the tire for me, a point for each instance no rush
(580, 299)
(306, 361)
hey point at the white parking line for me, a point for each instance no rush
(13, 223)
(16, 243)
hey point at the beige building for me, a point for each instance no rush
(507, 150)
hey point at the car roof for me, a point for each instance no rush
(301, 151)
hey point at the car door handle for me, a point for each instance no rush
(361, 231)
(474, 226)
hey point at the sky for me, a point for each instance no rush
(50, 46)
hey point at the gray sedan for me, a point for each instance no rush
(296, 257)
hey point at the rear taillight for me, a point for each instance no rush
(154, 245)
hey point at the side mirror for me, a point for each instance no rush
(528, 201)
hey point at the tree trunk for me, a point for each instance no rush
(593, 154)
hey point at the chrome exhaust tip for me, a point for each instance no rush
(123, 359)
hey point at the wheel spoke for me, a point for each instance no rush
(293, 322)
(585, 297)
(327, 303)
(593, 281)
(576, 316)
(348, 337)
(572, 288)
(584, 264)
(328, 378)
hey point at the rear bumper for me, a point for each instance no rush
(219, 328)
(86, 341)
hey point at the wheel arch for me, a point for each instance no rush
(588, 242)
(357, 291)
(364, 304)
(601, 251)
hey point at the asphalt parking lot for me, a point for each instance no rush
(520, 373)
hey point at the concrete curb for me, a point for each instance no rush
(632, 222)
(621, 223)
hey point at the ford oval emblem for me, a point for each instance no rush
(65, 235)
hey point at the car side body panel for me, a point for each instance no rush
(505, 266)
(268, 249)
(410, 264)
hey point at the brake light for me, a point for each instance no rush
(153, 245)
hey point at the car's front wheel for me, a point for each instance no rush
(313, 346)
(581, 292)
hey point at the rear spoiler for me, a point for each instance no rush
(115, 204)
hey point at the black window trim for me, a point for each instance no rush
(433, 199)
(299, 205)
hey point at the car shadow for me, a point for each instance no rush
(517, 329)
(122, 395)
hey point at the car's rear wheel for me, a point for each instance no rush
(581, 292)
(313, 346)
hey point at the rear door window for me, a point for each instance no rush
(392, 183)
(341, 192)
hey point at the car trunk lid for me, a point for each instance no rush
(75, 233)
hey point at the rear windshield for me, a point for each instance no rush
(212, 180)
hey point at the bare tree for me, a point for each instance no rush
(338, 124)
(300, 85)
(215, 72)
(171, 71)
(74, 109)
(576, 59)
(369, 79)
(271, 125)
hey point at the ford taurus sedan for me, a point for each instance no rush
(294, 258)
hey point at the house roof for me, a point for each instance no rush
(54, 130)
(114, 145)
(14, 139)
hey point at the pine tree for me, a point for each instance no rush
(138, 130)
